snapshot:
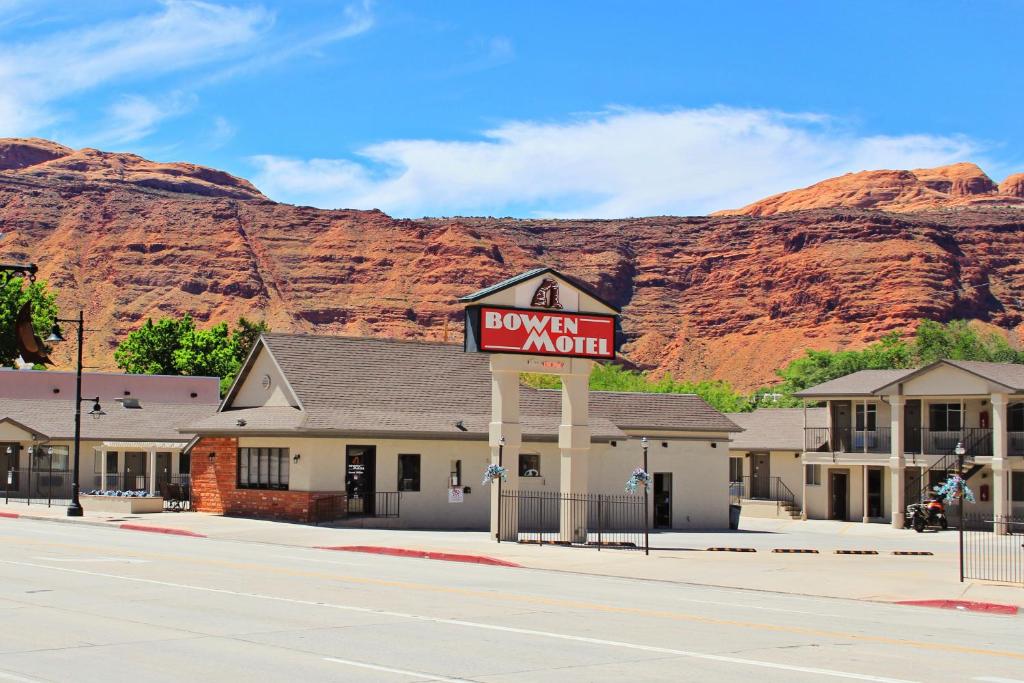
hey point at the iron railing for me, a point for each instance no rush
(847, 440)
(39, 486)
(941, 441)
(579, 519)
(329, 508)
(378, 504)
(817, 439)
(763, 488)
(993, 548)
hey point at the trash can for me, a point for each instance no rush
(734, 517)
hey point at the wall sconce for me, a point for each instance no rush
(664, 444)
(212, 457)
(295, 458)
(240, 422)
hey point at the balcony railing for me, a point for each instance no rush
(846, 440)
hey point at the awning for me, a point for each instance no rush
(141, 445)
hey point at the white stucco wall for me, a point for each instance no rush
(252, 392)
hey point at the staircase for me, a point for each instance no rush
(918, 486)
(770, 499)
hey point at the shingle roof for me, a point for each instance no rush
(860, 383)
(774, 429)
(523, 277)
(395, 387)
(1009, 375)
(153, 422)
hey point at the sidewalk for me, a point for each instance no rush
(678, 557)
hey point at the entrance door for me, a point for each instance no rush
(663, 500)
(875, 492)
(912, 426)
(841, 426)
(360, 478)
(135, 472)
(760, 475)
(838, 483)
(163, 469)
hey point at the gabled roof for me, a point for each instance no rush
(1008, 375)
(530, 274)
(55, 419)
(23, 427)
(389, 387)
(860, 383)
(774, 429)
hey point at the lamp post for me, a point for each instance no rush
(75, 508)
(501, 451)
(644, 444)
(960, 452)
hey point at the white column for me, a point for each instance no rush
(152, 471)
(803, 483)
(504, 425)
(897, 464)
(1000, 473)
(103, 470)
(864, 494)
(574, 444)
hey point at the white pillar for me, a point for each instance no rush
(103, 470)
(864, 494)
(803, 483)
(152, 471)
(505, 425)
(1000, 473)
(574, 444)
(897, 463)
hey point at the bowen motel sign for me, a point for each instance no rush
(544, 329)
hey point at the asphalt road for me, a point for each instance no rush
(88, 604)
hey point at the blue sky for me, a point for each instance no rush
(527, 108)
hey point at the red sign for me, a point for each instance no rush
(547, 333)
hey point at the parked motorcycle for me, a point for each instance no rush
(931, 513)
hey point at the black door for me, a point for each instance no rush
(874, 492)
(135, 478)
(838, 488)
(663, 500)
(841, 426)
(912, 426)
(360, 478)
(760, 476)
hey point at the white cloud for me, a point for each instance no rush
(621, 162)
(134, 117)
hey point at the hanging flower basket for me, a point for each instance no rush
(955, 489)
(495, 472)
(638, 480)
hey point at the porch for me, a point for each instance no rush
(917, 441)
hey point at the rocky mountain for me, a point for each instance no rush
(730, 296)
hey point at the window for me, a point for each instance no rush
(263, 468)
(185, 463)
(53, 458)
(813, 474)
(735, 470)
(111, 463)
(409, 472)
(866, 417)
(1015, 417)
(529, 465)
(455, 473)
(944, 417)
(1017, 487)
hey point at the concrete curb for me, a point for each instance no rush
(104, 525)
(10, 515)
(423, 554)
(810, 551)
(719, 549)
(966, 605)
(856, 552)
(161, 530)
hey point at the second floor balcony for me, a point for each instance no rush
(916, 440)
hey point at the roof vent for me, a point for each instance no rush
(132, 403)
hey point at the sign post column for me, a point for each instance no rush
(574, 445)
(505, 425)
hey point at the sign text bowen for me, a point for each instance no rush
(547, 333)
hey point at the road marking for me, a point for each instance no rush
(487, 627)
(128, 560)
(418, 674)
(19, 679)
(996, 679)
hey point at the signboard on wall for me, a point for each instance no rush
(456, 494)
(540, 332)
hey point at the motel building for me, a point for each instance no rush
(132, 442)
(888, 436)
(381, 432)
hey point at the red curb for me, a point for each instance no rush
(161, 530)
(988, 607)
(422, 554)
(10, 515)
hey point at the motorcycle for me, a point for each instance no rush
(931, 513)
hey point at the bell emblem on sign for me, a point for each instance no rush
(546, 295)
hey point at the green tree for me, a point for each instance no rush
(13, 295)
(176, 347)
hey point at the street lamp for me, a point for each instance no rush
(644, 444)
(960, 451)
(75, 508)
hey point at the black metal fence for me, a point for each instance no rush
(582, 519)
(335, 507)
(994, 548)
(37, 486)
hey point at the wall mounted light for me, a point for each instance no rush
(664, 444)
(295, 458)
(212, 457)
(240, 422)
(461, 426)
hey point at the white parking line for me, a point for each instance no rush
(417, 674)
(482, 626)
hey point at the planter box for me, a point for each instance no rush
(122, 504)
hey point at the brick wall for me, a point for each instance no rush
(214, 487)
